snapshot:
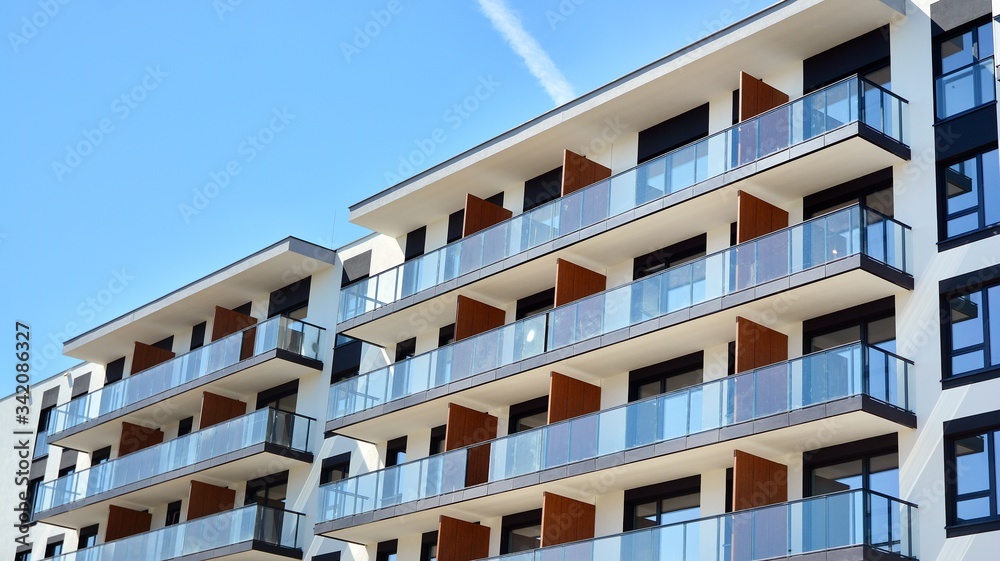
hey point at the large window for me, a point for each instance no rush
(972, 332)
(521, 532)
(663, 503)
(964, 69)
(971, 472)
(970, 189)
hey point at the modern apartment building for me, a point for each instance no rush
(735, 305)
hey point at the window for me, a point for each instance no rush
(53, 549)
(114, 371)
(68, 470)
(88, 537)
(268, 491)
(446, 335)
(971, 473)
(536, 304)
(670, 256)
(521, 532)
(665, 377)
(198, 336)
(871, 464)
(33, 486)
(971, 340)
(406, 349)
(100, 456)
(428, 546)
(173, 513)
(542, 189)
(283, 398)
(872, 324)
(184, 426)
(395, 451)
(970, 192)
(663, 503)
(386, 551)
(964, 66)
(438, 439)
(335, 468)
(23, 555)
(456, 221)
(528, 415)
(873, 191)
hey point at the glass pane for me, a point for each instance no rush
(839, 477)
(884, 474)
(956, 52)
(966, 320)
(972, 464)
(991, 187)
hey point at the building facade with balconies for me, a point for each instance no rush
(734, 305)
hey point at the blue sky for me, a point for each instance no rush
(149, 144)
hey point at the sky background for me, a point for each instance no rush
(119, 114)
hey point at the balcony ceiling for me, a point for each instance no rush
(277, 266)
(775, 38)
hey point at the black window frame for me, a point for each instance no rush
(663, 371)
(100, 456)
(438, 436)
(265, 484)
(536, 303)
(670, 256)
(340, 463)
(428, 541)
(860, 315)
(393, 449)
(385, 550)
(971, 26)
(983, 230)
(969, 283)
(517, 521)
(86, 533)
(657, 493)
(863, 450)
(524, 409)
(53, 548)
(23, 555)
(955, 430)
(173, 513)
(405, 349)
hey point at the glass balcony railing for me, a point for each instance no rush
(263, 426)
(850, 100)
(813, 379)
(276, 333)
(838, 520)
(965, 88)
(272, 526)
(822, 240)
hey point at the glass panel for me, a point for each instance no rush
(776, 130)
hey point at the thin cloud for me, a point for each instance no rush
(539, 63)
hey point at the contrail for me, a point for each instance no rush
(539, 64)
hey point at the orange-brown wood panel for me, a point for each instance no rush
(466, 427)
(758, 481)
(756, 97)
(574, 282)
(136, 437)
(565, 520)
(124, 522)
(481, 214)
(474, 317)
(205, 499)
(579, 172)
(459, 540)
(217, 408)
(227, 322)
(756, 217)
(147, 356)
(569, 397)
(758, 346)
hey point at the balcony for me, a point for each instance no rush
(688, 170)
(779, 261)
(859, 524)
(250, 532)
(798, 391)
(294, 342)
(964, 89)
(218, 451)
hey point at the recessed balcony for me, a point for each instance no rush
(832, 116)
(868, 384)
(852, 241)
(858, 525)
(251, 532)
(274, 351)
(233, 450)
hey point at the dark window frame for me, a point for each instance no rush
(861, 315)
(954, 430)
(385, 549)
(428, 540)
(265, 484)
(535, 303)
(173, 513)
(983, 230)
(670, 256)
(862, 450)
(971, 26)
(54, 547)
(663, 371)
(393, 449)
(969, 283)
(524, 409)
(88, 532)
(340, 462)
(657, 493)
(517, 521)
(438, 436)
